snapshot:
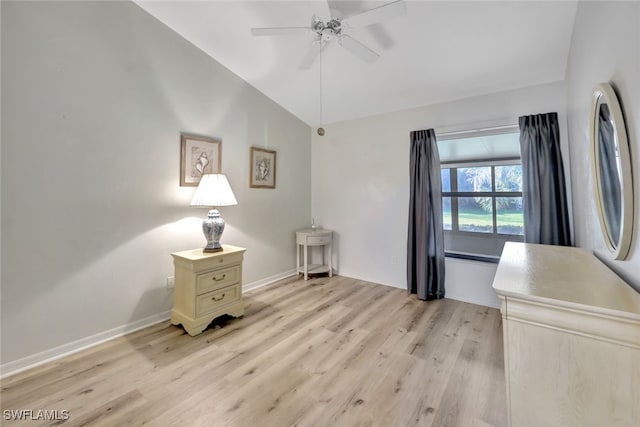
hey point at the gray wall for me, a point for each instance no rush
(360, 180)
(605, 47)
(95, 95)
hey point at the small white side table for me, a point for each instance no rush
(308, 238)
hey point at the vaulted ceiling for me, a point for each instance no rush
(437, 51)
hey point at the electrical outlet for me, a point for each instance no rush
(171, 282)
(395, 260)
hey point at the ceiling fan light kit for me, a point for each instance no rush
(333, 28)
(327, 30)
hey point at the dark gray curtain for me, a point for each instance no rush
(609, 174)
(546, 215)
(425, 242)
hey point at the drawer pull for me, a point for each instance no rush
(215, 279)
(217, 299)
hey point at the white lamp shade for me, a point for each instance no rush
(213, 190)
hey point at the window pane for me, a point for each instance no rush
(475, 214)
(509, 178)
(509, 215)
(446, 213)
(474, 179)
(445, 175)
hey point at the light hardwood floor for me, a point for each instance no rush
(325, 352)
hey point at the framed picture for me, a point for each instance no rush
(263, 168)
(199, 156)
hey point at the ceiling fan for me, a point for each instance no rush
(334, 29)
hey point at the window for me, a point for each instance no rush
(481, 194)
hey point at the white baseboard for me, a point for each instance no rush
(486, 302)
(16, 366)
(55, 353)
(269, 280)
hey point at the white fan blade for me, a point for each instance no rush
(279, 31)
(377, 14)
(357, 48)
(335, 8)
(312, 54)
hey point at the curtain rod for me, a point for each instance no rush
(487, 129)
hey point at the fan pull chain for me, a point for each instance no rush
(320, 129)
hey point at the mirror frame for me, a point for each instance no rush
(604, 93)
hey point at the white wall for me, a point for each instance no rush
(360, 181)
(605, 47)
(95, 95)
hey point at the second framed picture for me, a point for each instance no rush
(262, 168)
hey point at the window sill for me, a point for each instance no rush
(473, 257)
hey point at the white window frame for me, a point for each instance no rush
(494, 236)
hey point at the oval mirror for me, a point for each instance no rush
(611, 170)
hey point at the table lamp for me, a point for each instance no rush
(213, 191)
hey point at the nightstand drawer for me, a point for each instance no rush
(318, 240)
(217, 279)
(214, 300)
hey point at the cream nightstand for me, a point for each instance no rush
(308, 238)
(207, 285)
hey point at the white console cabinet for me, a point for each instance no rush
(571, 339)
